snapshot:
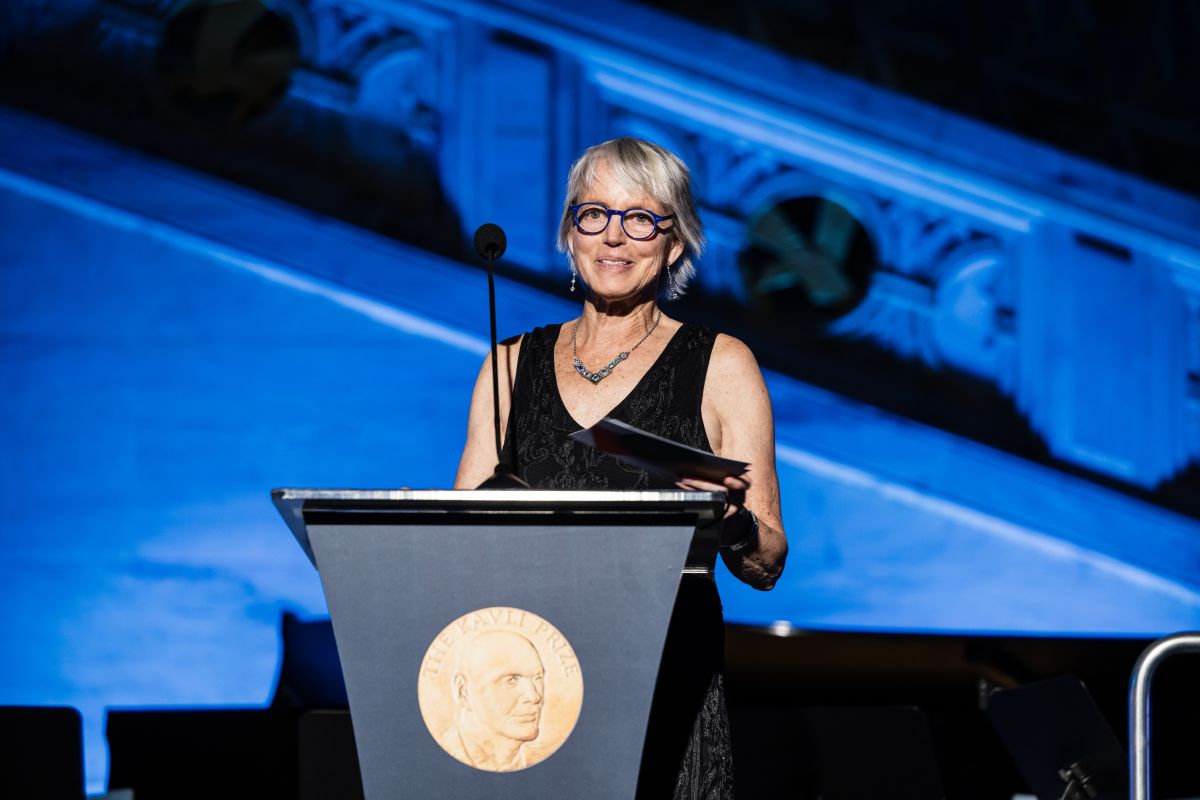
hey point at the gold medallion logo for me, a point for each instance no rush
(500, 689)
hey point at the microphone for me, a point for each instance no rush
(490, 243)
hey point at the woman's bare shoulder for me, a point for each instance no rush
(731, 357)
(734, 385)
(512, 344)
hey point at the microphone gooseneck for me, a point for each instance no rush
(490, 243)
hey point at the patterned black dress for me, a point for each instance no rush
(687, 754)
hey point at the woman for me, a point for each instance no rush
(631, 231)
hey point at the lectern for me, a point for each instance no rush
(501, 644)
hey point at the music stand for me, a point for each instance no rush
(1061, 743)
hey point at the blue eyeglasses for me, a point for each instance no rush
(638, 223)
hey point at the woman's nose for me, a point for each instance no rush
(614, 232)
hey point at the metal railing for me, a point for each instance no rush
(1139, 706)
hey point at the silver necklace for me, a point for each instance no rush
(603, 372)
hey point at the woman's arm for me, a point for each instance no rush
(478, 460)
(740, 425)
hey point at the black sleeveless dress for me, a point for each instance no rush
(687, 754)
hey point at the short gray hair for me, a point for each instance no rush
(658, 172)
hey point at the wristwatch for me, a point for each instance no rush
(748, 541)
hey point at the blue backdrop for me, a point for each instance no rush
(172, 347)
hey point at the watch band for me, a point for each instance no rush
(748, 541)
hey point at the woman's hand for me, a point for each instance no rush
(734, 488)
(752, 549)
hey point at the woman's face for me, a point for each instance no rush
(613, 266)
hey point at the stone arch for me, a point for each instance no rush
(791, 183)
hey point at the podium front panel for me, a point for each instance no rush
(606, 592)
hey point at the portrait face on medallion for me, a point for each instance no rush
(500, 689)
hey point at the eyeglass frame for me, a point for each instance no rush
(658, 219)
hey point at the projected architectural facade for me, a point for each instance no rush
(978, 252)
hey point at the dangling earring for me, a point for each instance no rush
(573, 273)
(670, 284)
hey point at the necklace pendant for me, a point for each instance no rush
(596, 377)
(602, 373)
(585, 373)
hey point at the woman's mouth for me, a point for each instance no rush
(613, 262)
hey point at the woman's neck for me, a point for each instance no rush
(602, 326)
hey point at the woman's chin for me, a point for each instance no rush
(622, 296)
(616, 287)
